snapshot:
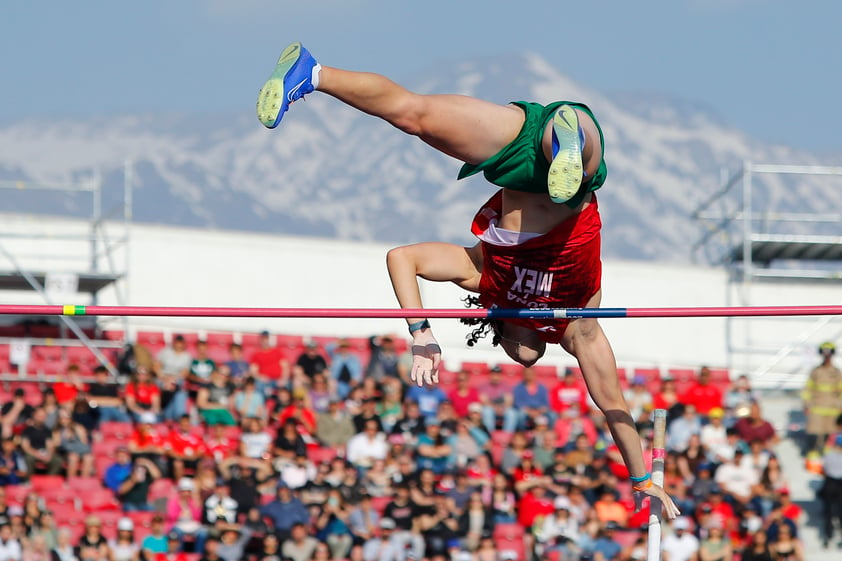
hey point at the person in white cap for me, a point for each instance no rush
(124, 547)
(681, 545)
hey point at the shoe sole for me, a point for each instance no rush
(271, 101)
(565, 176)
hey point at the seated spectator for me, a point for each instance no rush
(92, 542)
(119, 471)
(184, 515)
(314, 492)
(385, 362)
(703, 395)
(249, 401)
(104, 397)
(428, 398)
(714, 434)
(737, 478)
(40, 446)
(757, 548)
(184, 448)
(531, 399)
(638, 398)
(667, 398)
(146, 441)
(218, 445)
(124, 547)
(568, 399)
(143, 395)
(377, 481)
(681, 429)
(220, 507)
(528, 474)
(475, 521)
(345, 367)
(367, 413)
(513, 453)
(63, 549)
(691, 457)
(299, 546)
(440, 528)
(468, 442)
(310, 362)
(69, 387)
(255, 440)
(681, 544)
(786, 547)
(133, 492)
(299, 410)
(73, 446)
(463, 394)
(332, 525)
(739, 397)
(722, 511)
(232, 542)
(534, 505)
(334, 427)
(245, 477)
(14, 469)
(605, 545)
(215, 399)
(755, 427)
(238, 366)
(297, 473)
(433, 449)
(380, 546)
(560, 530)
(285, 512)
(608, 508)
(320, 394)
(200, 370)
(289, 443)
(363, 519)
(403, 511)
(411, 424)
(156, 541)
(15, 413)
(716, 546)
(270, 364)
(495, 395)
(50, 405)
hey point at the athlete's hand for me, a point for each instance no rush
(426, 357)
(670, 510)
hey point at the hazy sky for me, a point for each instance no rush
(769, 67)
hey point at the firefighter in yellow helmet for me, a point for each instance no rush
(822, 397)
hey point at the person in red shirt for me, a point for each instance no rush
(755, 427)
(788, 508)
(218, 445)
(272, 366)
(68, 389)
(569, 397)
(142, 394)
(146, 441)
(533, 504)
(703, 394)
(300, 411)
(463, 395)
(528, 474)
(184, 447)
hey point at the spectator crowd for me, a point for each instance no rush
(329, 453)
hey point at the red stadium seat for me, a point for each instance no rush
(114, 430)
(45, 483)
(82, 485)
(682, 375)
(321, 455)
(100, 501)
(379, 503)
(480, 368)
(150, 338)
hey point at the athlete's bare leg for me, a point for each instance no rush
(468, 129)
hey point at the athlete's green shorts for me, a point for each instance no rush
(521, 164)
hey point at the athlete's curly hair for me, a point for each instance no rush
(483, 325)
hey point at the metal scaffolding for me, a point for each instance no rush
(759, 246)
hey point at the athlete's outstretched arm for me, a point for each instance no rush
(433, 261)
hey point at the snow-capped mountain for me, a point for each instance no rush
(330, 171)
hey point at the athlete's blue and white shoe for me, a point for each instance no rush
(295, 75)
(565, 176)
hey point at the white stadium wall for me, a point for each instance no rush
(170, 266)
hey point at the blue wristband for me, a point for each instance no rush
(639, 479)
(418, 326)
